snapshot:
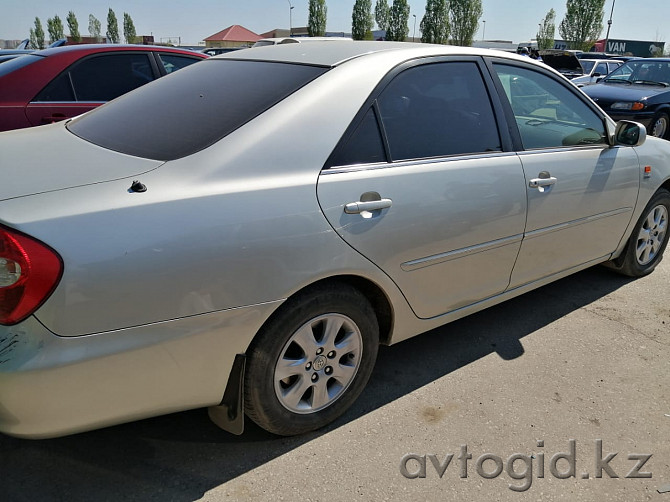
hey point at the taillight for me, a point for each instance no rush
(29, 272)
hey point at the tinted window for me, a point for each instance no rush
(18, 62)
(174, 62)
(364, 146)
(601, 68)
(99, 78)
(548, 113)
(192, 109)
(436, 110)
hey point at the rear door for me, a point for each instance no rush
(422, 186)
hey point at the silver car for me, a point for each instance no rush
(595, 70)
(243, 234)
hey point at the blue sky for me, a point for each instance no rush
(193, 21)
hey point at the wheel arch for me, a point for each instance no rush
(380, 302)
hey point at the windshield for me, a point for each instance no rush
(191, 109)
(642, 72)
(587, 65)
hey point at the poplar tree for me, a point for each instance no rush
(361, 20)
(435, 22)
(316, 24)
(464, 20)
(547, 32)
(73, 27)
(398, 28)
(129, 29)
(583, 23)
(112, 27)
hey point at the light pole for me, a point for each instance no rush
(484, 30)
(609, 25)
(290, 18)
(414, 33)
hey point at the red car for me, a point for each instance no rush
(54, 84)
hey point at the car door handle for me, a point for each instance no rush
(542, 182)
(369, 206)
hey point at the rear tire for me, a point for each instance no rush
(649, 238)
(311, 361)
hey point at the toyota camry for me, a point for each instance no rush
(243, 234)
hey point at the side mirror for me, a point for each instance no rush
(629, 133)
(599, 79)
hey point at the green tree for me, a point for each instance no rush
(547, 31)
(361, 20)
(435, 23)
(37, 35)
(398, 28)
(112, 27)
(73, 26)
(464, 20)
(129, 29)
(94, 27)
(55, 28)
(382, 14)
(316, 24)
(582, 24)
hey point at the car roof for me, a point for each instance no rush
(329, 54)
(598, 60)
(111, 47)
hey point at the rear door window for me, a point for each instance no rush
(99, 78)
(429, 110)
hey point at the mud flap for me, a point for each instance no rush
(229, 415)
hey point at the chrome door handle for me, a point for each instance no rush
(373, 205)
(541, 182)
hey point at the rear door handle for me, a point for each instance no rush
(373, 205)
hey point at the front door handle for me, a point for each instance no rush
(541, 182)
(369, 206)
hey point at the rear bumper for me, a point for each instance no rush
(53, 386)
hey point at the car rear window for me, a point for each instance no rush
(18, 62)
(189, 110)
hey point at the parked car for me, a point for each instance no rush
(54, 84)
(229, 238)
(298, 40)
(595, 69)
(565, 62)
(638, 90)
(215, 51)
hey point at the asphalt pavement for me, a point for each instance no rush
(560, 394)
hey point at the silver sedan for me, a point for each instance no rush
(243, 234)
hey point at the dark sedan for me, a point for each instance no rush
(59, 83)
(638, 90)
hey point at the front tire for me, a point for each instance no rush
(648, 239)
(311, 361)
(660, 126)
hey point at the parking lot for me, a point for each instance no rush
(583, 359)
